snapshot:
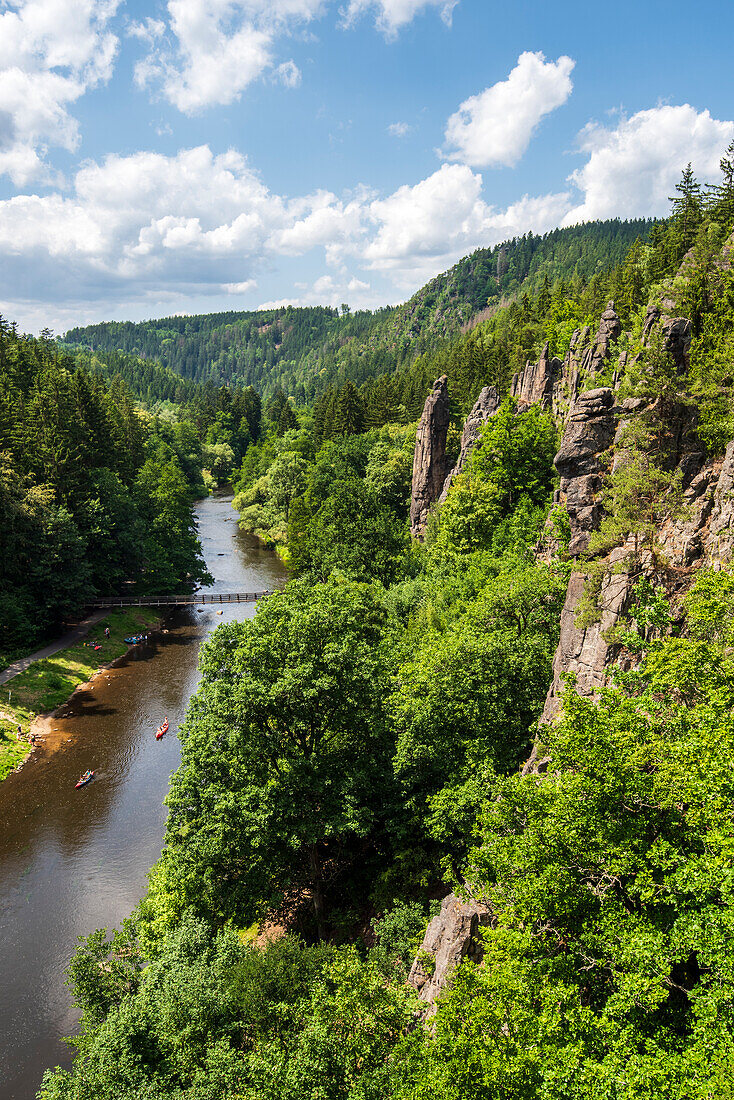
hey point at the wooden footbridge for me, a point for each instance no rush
(192, 599)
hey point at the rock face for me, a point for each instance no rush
(677, 333)
(553, 384)
(485, 406)
(610, 329)
(584, 652)
(429, 460)
(721, 526)
(450, 937)
(535, 384)
(590, 431)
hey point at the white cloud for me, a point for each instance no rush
(240, 288)
(149, 228)
(421, 230)
(392, 15)
(330, 291)
(633, 168)
(399, 129)
(148, 31)
(495, 127)
(189, 223)
(222, 46)
(288, 74)
(51, 53)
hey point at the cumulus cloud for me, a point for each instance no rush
(329, 290)
(399, 129)
(51, 53)
(495, 127)
(240, 288)
(148, 226)
(220, 47)
(420, 230)
(187, 223)
(632, 168)
(392, 15)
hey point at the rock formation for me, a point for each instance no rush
(450, 937)
(677, 333)
(610, 329)
(585, 651)
(429, 460)
(590, 431)
(485, 406)
(535, 384)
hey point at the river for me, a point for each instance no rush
(72, 861)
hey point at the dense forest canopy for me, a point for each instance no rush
(302, 350)
(96, 490)
(352, 753)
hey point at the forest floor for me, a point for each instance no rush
(51, 676)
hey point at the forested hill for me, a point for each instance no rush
(303, 350)
(362, 745)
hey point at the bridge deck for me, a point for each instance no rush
(191, 599)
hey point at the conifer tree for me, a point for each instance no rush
(350, 417)
(721, 196)
(687, 208)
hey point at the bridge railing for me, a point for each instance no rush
(190, 599)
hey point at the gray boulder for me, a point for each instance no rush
(450, 937)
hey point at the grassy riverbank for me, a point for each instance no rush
(49, 683)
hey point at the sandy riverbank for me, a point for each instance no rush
(38, 699)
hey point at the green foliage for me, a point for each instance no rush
(709, 606)
(609, 964)
(357, 742)
(285, 757)
(94, 495)
(307, 352)
(510, 472)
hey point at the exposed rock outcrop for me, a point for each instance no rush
(721, 527)
(584, 651)
(553, 384)
(535, 384)
(450, 937)
(589, 432)
(485, 406)
(429, 460)
(610, 329)
(677, 334)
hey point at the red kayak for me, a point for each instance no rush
(161, 730)
(83, 780)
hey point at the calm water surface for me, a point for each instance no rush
(72, 861)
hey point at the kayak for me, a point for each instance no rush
(84, 779)
(161, 730)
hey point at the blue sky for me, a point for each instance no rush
(168, 156)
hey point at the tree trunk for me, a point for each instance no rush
(318, 893)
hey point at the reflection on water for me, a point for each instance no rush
(72, 861)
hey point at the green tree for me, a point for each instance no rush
(285, 773)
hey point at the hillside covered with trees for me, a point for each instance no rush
(96, 488)
(303, 350)
(354, 751)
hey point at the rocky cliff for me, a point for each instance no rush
(595, 421)
(451, 936)
(429, 459)
(484, 407)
